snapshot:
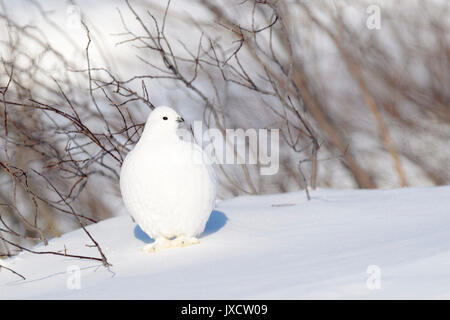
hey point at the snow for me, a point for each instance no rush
(264, 247)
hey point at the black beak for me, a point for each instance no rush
(180, 119)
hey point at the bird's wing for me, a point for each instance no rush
(208, 163)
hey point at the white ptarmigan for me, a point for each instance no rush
(167, 184)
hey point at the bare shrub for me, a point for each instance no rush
(356, 107)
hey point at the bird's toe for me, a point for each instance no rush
(158, 245)
(185, 241)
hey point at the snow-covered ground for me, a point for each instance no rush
(278, 246)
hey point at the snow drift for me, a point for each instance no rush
(267, 247)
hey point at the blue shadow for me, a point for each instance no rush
(217, 220)
(141, 235)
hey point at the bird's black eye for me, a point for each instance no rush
(165, 118)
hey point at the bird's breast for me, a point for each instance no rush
(167, 189)
(163, 170)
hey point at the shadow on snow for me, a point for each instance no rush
(216, 222)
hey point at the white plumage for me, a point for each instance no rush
(167, 184)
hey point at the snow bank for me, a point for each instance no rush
(266, 247)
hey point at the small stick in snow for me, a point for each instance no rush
(11, 270)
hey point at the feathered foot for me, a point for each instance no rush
(183, 241)
(158, 245)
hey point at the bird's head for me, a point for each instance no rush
(164, 117)
(163, 120)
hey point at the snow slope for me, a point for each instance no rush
(272, 247)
